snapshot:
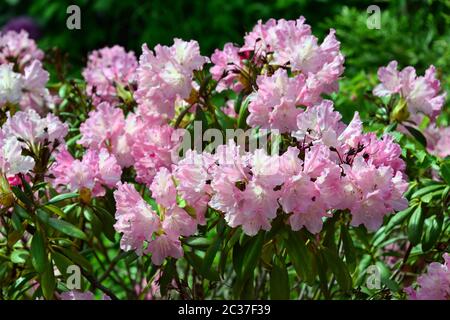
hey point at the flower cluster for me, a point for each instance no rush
(27, 130)
(96, 170)
(165, 75)
(107, 69)
(17, 48)
(421, 94)
(333, 167)
(433, 285)
(142, 226)
(28, 89)
(286, 44)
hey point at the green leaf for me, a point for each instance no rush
(349, 248)
(108, 221)
(38, 253)
(445, 171)
(224, 120)
(279, 282)
(55, 210)
(243, 114)
(16, 222)
(77, 258)
(210, 255)
(426, 190)
(66, 228)
(61, 262)
(198, 242)
(197, 263)
(385, 275)
(433, 229)
(48, 283)
(417, 135)
(339, 269)
(22, 196)
(73, 140)
(301, 257)
(252, 251)
(398, 218)
(19, 256)
(415, 226)
(21, 212)
(62, 197)
(167, 276)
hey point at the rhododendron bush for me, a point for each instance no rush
(176, 175)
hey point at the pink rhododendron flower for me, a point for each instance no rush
(135, 218)
(163, 188)
(193, 174)
(11, 84)
(78, 295)
(421, 93)
(165, 75)
(141, 226)
(103, 127)
(247, 199)
(108, 128)
(156, 147)
(319, 124)
(97, 169)
(433, 285)
(28, 89)
(36, 95)
(18, 48)
(30, 127)
(107, 68)
(178, 222)
(165, 245)
(373, 192)
(227, 64)
(292, 43)
(274, 106)
(12, 161)
(438, 140)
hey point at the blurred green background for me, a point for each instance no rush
(413, 32)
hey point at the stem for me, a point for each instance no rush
(98, 285)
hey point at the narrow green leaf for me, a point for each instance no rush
(385, 275)
(339, 269)
(301, 257)
(279, 282)
(19, 256)
(445, 171)
(21, 212)
(426, 190)
(433, 229)
(415, 226)
(398, 218)
(210, 255)
(349, 248)
(38, 253)
(48, 282)
(61, 262)
(66, 228)
(77, 258)
(62, 197)
(243, 114)
(22, 196)
(167, 276)
(224, 120)
(252, 251)
(417, 135)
